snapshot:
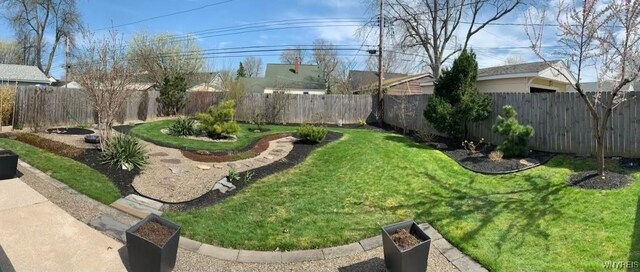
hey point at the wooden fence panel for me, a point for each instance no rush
(561, 121)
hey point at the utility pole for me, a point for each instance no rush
(380, 110)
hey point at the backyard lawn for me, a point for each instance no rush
(76, 175)
(152, 132)
(345, 191)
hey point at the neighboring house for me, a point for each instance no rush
(410, 84)
(22, 75)
(288, 78)
(535, 77)
(361, 80)
(206, 82)
(64, 84)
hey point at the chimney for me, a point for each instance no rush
(296, 66)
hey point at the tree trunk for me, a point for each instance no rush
(600, 154)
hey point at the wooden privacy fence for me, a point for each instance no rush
(51, 107)
(561, 121)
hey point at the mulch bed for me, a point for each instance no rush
(405, 239)
(591, 180)
(70, 131)
(252, 151)
(155, 232)
(631, 164)
(90, 157)
(297, 155)
(480, 162)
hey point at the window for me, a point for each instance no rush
(541, 90)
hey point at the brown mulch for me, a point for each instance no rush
(405, 239)
(258, 148)
(155, 232)
(59, 148)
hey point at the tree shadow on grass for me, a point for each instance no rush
(524, 209)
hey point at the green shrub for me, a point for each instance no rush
(457, 101)
(183, 127)
(311, 133)
(126, 152)
(218, 120)
(172, 95)
(516, 142)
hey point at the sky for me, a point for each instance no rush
(100, 15)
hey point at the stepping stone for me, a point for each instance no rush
(277, 151)
(133, 208)
(178, 171)
(270, 157)
(263, 160)
(226, 183)
(158, 154)
(232, 165)
(204, 167)
(109, 225)
(171, 161)
(144, 201)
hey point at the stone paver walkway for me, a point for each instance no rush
(37, 235)
(172, 178)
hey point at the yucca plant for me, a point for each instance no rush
(183, 127)
(126, 152)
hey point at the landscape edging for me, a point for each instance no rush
(452, 254)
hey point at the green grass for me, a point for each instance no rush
(78, 176)
(347, 190)
(152, 132)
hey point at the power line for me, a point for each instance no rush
(167, 15)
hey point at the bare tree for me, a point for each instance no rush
(10, 53)
(511, 60)
(325, 55)
(252, 66)
(599, 34)
(433, 26)
(105, 73)
(36, 20)
(165, 55)
(289, 56)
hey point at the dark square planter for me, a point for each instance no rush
(8, 164)
(413, 259)
(144, 255)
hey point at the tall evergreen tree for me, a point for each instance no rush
(456, 100)
(172, 95)
(241, 71)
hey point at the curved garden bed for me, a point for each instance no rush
(297, 155)
(480, 162)
(152, 132)
(70, 131)
(227, 156)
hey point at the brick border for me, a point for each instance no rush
(451, 253)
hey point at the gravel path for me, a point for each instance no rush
(170, 177)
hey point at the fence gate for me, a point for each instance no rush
(7, 105)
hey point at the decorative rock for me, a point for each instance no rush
(226, 183)
(218, 186)
(203, 152)
(204, 167)
(171, 161)
(527, 162)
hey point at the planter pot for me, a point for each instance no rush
(412, 259)
(145, 255)
(8, 164)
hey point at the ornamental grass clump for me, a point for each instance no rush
(311, 133)
(126, 152)
(516, 142)
(183, 127)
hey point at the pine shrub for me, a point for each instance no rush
(311, 133)
(218, 120)
(516, 142)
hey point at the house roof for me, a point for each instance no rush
(360, 79)
(392, 82)
(516, 69)
(22, 73)
(283, 76)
